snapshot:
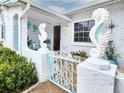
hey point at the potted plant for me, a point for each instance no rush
(112, 56)
(110, 53)
(83, 55)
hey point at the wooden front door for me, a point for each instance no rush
(57, 32)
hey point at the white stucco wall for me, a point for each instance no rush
(92, 79)
(117, 16)
(8, 14)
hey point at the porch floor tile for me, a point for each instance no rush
(47, 87)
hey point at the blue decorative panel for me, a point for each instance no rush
(29, 24)
(33, 27)
(62, 70)
(15, 32)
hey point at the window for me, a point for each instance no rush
(2, 34)
(15, 32)
(81, 31)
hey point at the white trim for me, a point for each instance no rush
(90, 5)
(86, 44)
(83, 44)
(86, 19)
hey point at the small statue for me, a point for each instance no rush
(96, 35)
(42, 37)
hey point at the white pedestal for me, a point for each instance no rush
(119, 85)
(92, 79)
(41, 66)
(39, 58)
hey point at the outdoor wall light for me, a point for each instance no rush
(66, 29)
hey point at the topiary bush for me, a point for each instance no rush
(16, 73)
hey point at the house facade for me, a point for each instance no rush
(20, 22)
(68, 32)
(115, 8)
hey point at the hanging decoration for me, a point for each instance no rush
(33, 27)
(112, 26)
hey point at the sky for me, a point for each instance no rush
(62, 5)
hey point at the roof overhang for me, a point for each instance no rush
(90, 5)
(8, 2)
(37, 7)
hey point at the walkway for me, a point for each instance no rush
(47, 87)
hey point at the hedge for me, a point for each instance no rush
(16, 73)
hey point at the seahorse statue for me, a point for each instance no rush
(42, 36)
(96, 35)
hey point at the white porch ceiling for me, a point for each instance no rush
(42, 17)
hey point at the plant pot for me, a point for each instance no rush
(113, 62)
(120, 71)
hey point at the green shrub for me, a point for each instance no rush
(16, 73)
(111, 52)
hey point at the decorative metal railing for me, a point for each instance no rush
(62, 70)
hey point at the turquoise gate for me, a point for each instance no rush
(62, 71)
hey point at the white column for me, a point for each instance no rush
(94, 78)
(41, 66)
